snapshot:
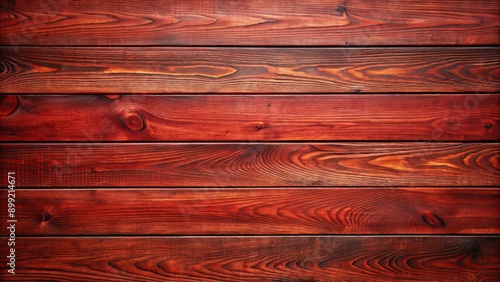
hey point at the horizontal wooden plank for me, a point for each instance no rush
(252, 164)
(324, 258)
(97, 118)
(260, 22)
(248, 70)
(257, 211)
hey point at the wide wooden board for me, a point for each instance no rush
(252, 164)
(315, 258)
(256, 211)
(95, 118)
(166, 70)
(258, 22)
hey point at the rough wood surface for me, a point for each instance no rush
(253, 164)
(314, 140)
(248, 70)
(258, 22)
(257, 211)
(323, 258)
(97, 118)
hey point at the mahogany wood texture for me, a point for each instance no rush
(166, 70)
(316, 258)
(253, 164)
(97, 118)
(258, 22)
(257, 211)
(239, 140)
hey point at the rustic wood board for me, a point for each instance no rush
(260, 22)
(238, 140)
(165, 70)
(303, 258)
(253, 164)
(257, 211)
(96, 118)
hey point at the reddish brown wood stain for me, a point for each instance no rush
(254, 164)
(170, 70)
(257, 211)
(259, 22)
(223, 140)
(269, 258)
(95, 118)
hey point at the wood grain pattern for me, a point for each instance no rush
(248, 70)
(257, 211)
(322, 258)
(253, 164)
(230, 101)
(261, 22)
(97, 118)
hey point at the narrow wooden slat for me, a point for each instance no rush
(97, 118)
(257, 211)
(248, 70)
(252, 164)
(323, 258)
(259, 22)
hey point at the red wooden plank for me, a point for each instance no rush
(248, 70)
(252, 164)
(258, 22)
(245, 118)
(323, 258)
(256, 211)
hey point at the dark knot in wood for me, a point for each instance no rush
(8, 104)
(433, 220)
(46, 217)
(134, 122)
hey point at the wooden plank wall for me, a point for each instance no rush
(235, 140)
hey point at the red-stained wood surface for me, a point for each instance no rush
(364, 131)
(257, 211)
(96, 118)
(252, 164)
(258, 22)
(320, 258)
(248, 70)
